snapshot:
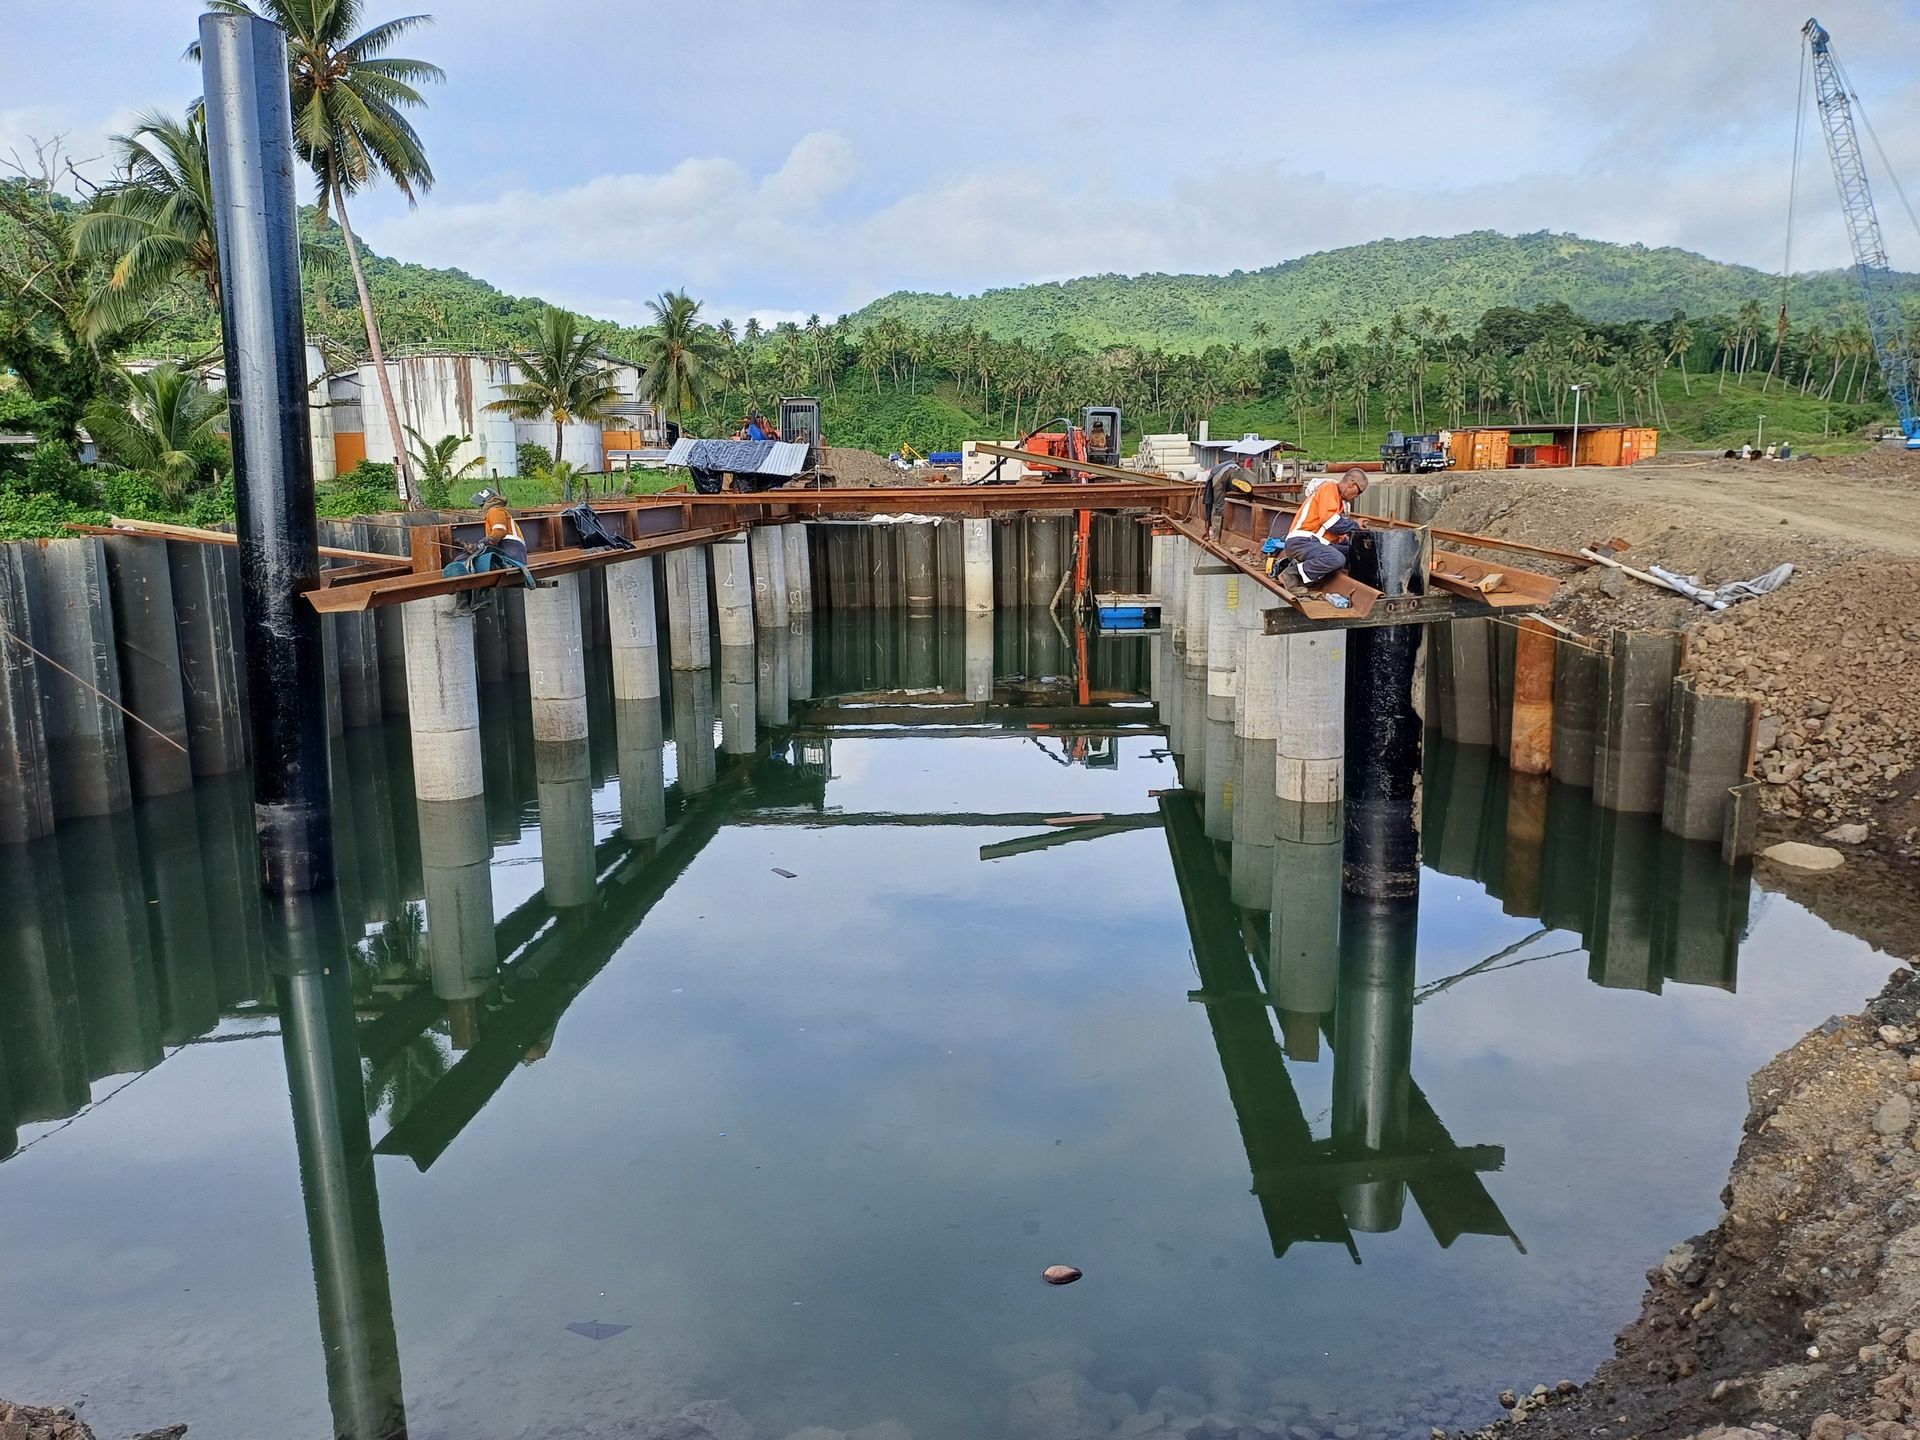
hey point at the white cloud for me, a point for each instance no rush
(1240, 134)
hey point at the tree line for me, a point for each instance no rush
(94, 271)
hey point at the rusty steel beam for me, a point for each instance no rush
(545, 565)
(1503, 587)
(161, 530)
(1489, 542)
(974, 500)
(1239, 523)
(1084, 467)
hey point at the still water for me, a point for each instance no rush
(767, 1047)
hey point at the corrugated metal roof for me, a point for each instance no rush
(788, 457)
(1252, 445)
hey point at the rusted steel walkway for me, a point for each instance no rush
(1460, 586)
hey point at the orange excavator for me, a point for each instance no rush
(1096, 441)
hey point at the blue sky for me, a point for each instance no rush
(781, 157)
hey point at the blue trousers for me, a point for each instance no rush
(1316, 557)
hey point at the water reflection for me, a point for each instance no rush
(316, 1004)
(408, 1002)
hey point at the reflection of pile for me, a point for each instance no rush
(1647, 906)
(1386, 1138)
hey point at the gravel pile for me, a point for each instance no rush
(1830, 658)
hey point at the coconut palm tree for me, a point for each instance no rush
(434, 468)
(155, 222)
(1679, 342)
(168, 428)
(347, 99)
(562, 375)
(679, 350)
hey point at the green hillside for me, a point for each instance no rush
(1361, 286)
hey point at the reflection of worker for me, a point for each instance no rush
(1322, 528)
(503, 531)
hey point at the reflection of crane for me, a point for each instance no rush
(1884, 322)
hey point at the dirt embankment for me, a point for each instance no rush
(1829, 656)
(1799, 1314)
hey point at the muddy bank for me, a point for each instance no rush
(1799, 1314)
(1828, 657)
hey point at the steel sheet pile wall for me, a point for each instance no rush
(1616, 716)
(913, 564)
(139, 683)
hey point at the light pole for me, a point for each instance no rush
(1573, 450)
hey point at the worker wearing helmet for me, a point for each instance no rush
(1317, 545)
(503, 531)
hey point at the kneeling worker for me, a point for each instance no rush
(503, 531)
(1322, 529)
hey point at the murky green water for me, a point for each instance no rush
(653, 1122)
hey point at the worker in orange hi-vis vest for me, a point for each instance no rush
(503, 531)
(1323, 530)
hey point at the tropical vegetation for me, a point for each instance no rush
(1329, 350)
(1360, 286)
(678, 354)
(434, 469)
(347, 97)
(563, 375)
(166, 426)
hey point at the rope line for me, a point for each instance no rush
(94, 688)
(1879, 149)
(1793, 182)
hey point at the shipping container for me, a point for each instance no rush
(349, 449)
(1599, 447)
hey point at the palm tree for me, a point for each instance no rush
(562, 376)
(1679, 341)
(433, 462)
(168, 428)
(156, 222)
(347, 97)
(678, 350)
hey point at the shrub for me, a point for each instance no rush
(214, 504)
(129, 493)
(52, 470)
(370, 488)
(25, 516)
(533, 459)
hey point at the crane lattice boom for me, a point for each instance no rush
(1884, 320)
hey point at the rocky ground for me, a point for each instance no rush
(864, 468)
(24, 1422)
(1827, 656)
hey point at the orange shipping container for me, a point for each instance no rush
(1480, 449)
(1600, 447)
(349, 449)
